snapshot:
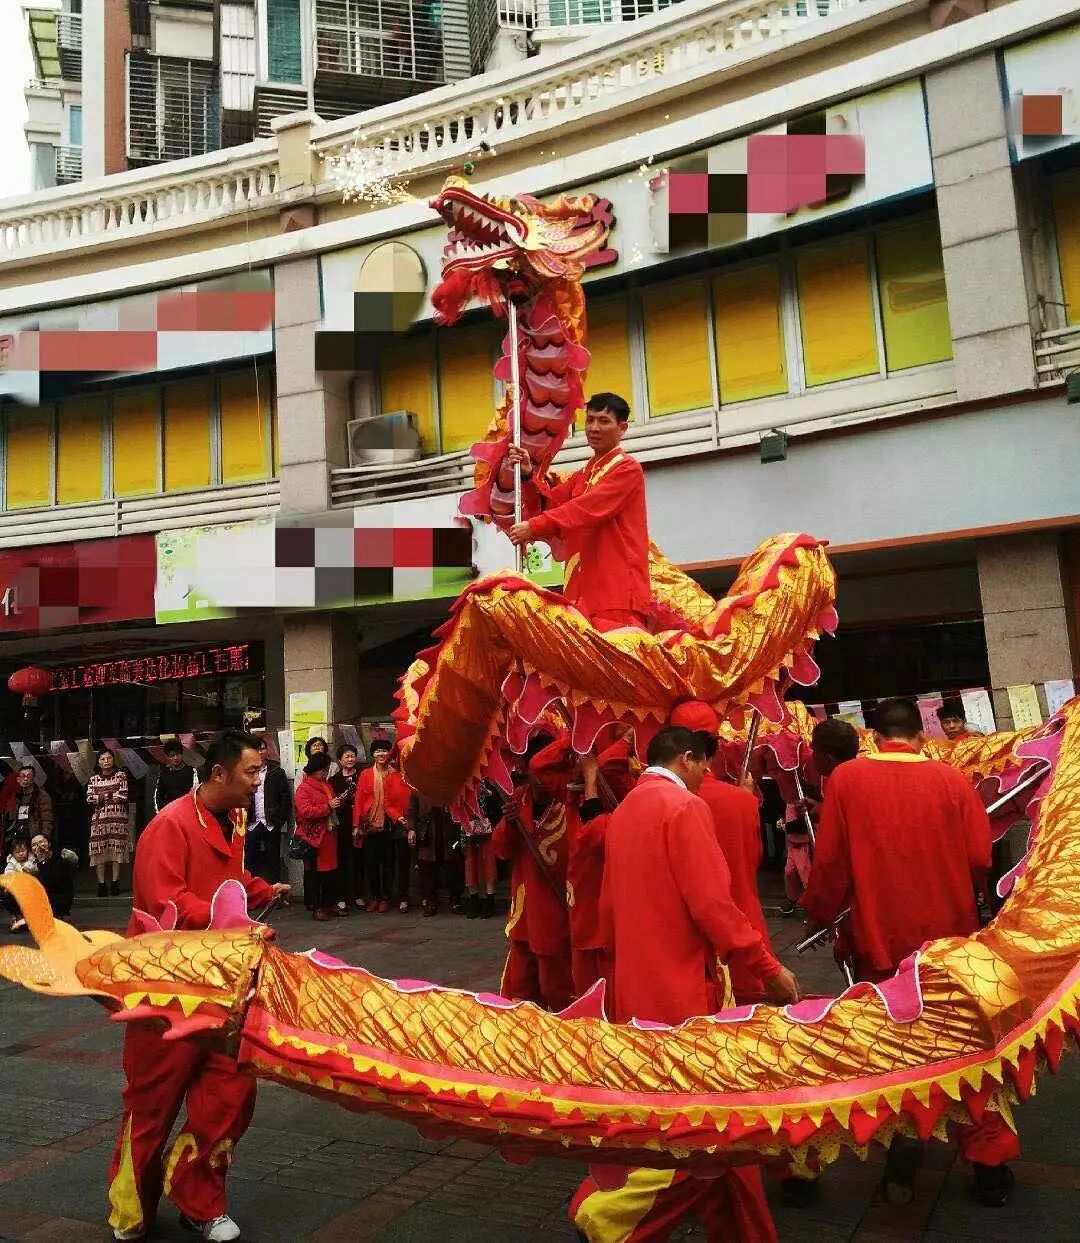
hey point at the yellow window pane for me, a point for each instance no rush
(275, 437)
(609, 349)
(135, 449)
(187, 436)
(911, 285)
(1065, 195)
(245, 452)
(466, 387)
(749, 334)
(79, 456)
(29, 458)
(677, 348)
(837, 313)
(407, 383)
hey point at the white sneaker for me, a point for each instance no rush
(221, 1230)
(129, 1236)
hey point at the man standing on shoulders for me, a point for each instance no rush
(271, 808)
(175, 777)
(904, 843)
(595, 518)
(667, 905)
(183, 857)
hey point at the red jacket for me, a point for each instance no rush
(313, 823)
(183, 857)
(396, 796)
(903, 841)
(599, 515)
(666, 906)
(737, 822)
(537, 916)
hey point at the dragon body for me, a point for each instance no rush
(963, 1026)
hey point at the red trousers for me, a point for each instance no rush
(542, 978)
(989, 1142)
(589, 966)
(479, 861)
(161, 1076)
(645, 1206)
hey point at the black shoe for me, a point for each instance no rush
(488, 909)
(455, 906)
(800, 1192)
(472, 906)
(102, 891)
(115, 890)
(993, 1184)
(902, 1165)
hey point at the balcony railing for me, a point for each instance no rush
(562, 13)
(69, 45)
(68, 165)
(173, 109)
(517, 14)
(686, 49)
(378, 39)
(1057, 353)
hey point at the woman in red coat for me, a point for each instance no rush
(316, 815)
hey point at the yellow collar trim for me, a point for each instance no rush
(898, 757)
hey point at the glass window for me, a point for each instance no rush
(245, 453)
(677, 348)
(911, 286)
(466, 386)
(750, 357)
(406, 383)
(837, 312)
(79, 456)
(187, 436)
(136, 452)
(283, 40)
(75, 126)
(1065, 197)
(608, 340)
(28, 459)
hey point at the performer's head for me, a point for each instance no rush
(833, 742)
(681, 751)
(174, 753)
(545, 767)
(699, 718)
(318, 765)
(898, 720)
(607, 416)
(231, 772)
(380, 752)
(952, 718)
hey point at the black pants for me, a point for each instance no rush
(262, 853)
(320, 889)
(379, 862)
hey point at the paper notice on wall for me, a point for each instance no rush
(80, 766)
(286, 752)
(817, 711)
(22, 753)
(308, 711)
(133, 762)
(1058, 694)
(58, 751)
(351, 736)
(1024, 706)
(979, 711)
(850, 710)
(928, 709)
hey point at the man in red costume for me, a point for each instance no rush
(737, 822)
(597, 517)
(538, 928)
(667, 907)
(189, 849)
(904, 842)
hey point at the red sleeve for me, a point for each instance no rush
(600, 504)
(161, 868)
(259, 891)
(977, 834)
(505, 839)
(397, 796)
(590, 839)
(830, 876)
(556, 489)
(362, 801)
(311, 802)
(698, 865)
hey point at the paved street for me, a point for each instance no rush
(308, 1171)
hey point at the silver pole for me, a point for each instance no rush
(515, 423)
(1019, 788)
(807, 820)
(751, 742)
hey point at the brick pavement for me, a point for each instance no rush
(309, 1172)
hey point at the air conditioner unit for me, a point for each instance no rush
(384, 441)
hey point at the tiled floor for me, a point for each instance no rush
(307, 1171)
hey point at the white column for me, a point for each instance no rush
(93, 88)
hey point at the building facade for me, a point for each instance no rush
(856, 224)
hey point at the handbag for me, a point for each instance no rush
(302, 851)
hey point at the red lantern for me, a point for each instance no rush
(30, 681)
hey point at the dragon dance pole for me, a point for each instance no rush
(751, 742)
(515, 422)
(807, 820)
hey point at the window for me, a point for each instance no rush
(75, 125)
(187, 436)
(245, 441)
(608, 340)
(407, 382)
(283, 41)
(80, 474)
(750, 351)
(911, 288)
(28, 458)
(1065, 200)
(837, 312)
(237, 57)
(466, 386)
(136, 448)
(676, 322)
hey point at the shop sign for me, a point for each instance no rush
(1042, 79)
(203, 662)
